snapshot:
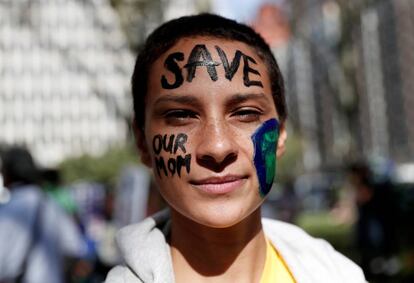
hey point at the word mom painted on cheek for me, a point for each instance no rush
(171, 144)
(200, 56)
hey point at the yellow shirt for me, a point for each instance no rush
(275, 270)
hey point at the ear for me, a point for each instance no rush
(141, 144)
(281, 148)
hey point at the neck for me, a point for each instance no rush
(233, 254)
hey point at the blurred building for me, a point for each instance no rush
(348, 69)
(64, 77)
(386, 87)
(140, 17)
(311, 70)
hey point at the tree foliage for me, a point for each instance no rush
(104, 168)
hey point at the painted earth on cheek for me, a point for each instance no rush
(264, 141)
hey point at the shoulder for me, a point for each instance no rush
(145, 251)
(26, 193)
(292, 235)
(121, 274)
(276, 227)
(311, 256)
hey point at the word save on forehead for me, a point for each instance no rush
(199, 57)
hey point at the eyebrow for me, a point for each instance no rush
(182, 99)
(235, 99)
(243, 97)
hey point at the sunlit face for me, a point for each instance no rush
(208, 100)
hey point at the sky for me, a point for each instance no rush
(241, 10)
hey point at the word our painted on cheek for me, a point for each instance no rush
(171, 144)
(264, 141)
(200, 56)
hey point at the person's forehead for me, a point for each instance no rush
(209, 59)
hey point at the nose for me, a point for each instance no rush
(217, 147)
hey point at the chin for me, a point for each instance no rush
(219, 214)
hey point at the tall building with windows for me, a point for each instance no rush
(64, 77)
(386, 76)
(348, 69)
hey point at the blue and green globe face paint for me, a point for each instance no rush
(265, 141)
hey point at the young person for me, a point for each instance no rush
(210, 121)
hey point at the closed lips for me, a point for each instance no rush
(219, 185)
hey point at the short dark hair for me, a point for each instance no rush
(18, 166)
(169, 33)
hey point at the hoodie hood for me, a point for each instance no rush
(148, 258)
(145, 250)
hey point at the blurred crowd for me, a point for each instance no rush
(50, 232)
(382, 229)
(54, 233)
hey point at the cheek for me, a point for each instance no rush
(170, 156)
(264, 142)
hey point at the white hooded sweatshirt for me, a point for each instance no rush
(148, 259)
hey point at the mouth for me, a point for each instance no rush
(219, 185)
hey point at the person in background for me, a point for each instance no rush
(35, 233)
(51, 184)
(377, 221)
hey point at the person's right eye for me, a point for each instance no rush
(179, 117)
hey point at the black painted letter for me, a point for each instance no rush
(247, 70)
(186, 161)
(230, 70)
(168, 147)
(180, 140)
(172, 66)
(171, 166)
(157, 144)
(160, 165)
(200, 50)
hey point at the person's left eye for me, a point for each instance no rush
(247, 114)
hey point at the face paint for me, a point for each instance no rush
(264, 141)
(200, 51)
(171, 145)
(200, 56)
(229, 69)
(173, 165)
(247, 69)
(171, 65)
